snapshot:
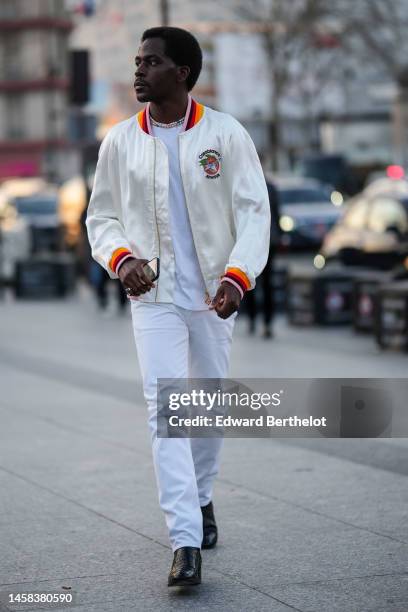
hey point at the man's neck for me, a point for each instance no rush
(169, 110)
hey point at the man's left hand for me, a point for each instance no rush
(226, 300)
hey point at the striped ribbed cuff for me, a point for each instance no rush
(125, 258)
(228, 279)
(239, 277)
(117, 257)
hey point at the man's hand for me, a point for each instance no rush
(226, 300)
(132, 277)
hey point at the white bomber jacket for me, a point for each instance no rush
(225, 192)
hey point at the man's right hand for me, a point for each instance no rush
(132, 277)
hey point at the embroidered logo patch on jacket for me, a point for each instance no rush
(210, 161)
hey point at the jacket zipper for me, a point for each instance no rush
(207, 295)
(155, 212)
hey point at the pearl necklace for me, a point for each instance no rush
(166, 125)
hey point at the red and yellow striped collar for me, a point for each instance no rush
(194, 113)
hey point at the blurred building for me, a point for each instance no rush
(338, 100)
(34, 86)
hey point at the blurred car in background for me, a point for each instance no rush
(41, 213)
(373, 231)
(38, 217)
(332, 169)
(15, 240)
(16, 187)
(15, 233)
(308, 210)
(386, 185)
(393, 172)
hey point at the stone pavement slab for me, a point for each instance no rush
(363, 496)
(138, 590)
(365, 594)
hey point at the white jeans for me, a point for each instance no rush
(173, 342)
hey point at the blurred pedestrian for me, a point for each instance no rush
(265, 282)
(96, 275)
(84, 249)
(101, 280)
(195, 197)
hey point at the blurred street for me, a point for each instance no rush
(306, 525)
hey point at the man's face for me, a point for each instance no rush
(156, 76)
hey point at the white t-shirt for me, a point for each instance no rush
(189, 288)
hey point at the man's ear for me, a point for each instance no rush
(183, 73)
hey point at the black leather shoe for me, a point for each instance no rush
(186, 567)
(210, 531)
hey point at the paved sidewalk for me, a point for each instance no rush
(306, 525)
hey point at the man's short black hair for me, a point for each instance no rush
(182, 47)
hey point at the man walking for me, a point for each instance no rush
(183, 183)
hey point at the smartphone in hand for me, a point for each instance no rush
(152, 269)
